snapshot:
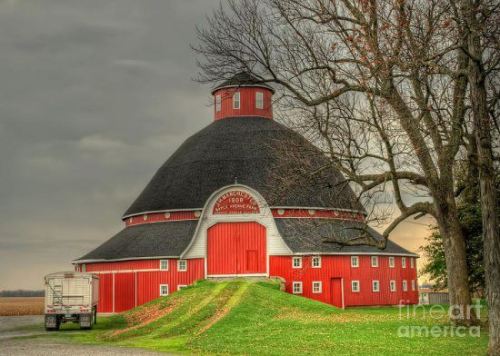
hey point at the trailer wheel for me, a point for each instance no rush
(57, 323)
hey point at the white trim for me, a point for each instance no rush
(236, 99)
(128, 271)
(168, 290)
(372, 259)
(320, 287)
(160, 264)
(271, 207)
(180, 286)
(403, 262)
(312, 261)
(393, 264)
(354, 254)
(412, 263)
(301, 287)
(218, 103)
(342, 285)
(179, 264)
(405, 285)
(243, 86)
(259, 99)
(292, 207)
(352, 286)
(297, 258)
(392, 283)
(355, 258)
(158, 211)
(377, 282)
(413, 285)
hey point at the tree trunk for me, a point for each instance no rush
(456, 265)
(491, 235)
(488, 204)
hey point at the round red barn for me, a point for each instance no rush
(212, 211)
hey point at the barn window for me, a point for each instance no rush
(180, 286)
(297, 262)
(83, 267)
(297, 287)
(376, 286)
(355, 287)
(405, 286)
(412, 262)
(413, 285)
(259, 100)
(163, 290)
(317, 287)
(145, 217)
(403, 262)
(316, 262)
(392, 263)
(236, 100)
(164, 265)
(218, 103)
(392, 285)
(374, 261)
(182, 265)
(354, 261)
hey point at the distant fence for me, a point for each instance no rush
(434, 298)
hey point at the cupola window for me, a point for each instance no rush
(236, 100)
(218, 103)
(259, 100)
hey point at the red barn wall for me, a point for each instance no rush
(247, 103)
(340, 267)
(126, 284)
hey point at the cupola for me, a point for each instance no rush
(243, 95)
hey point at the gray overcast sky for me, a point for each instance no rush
(94, 97)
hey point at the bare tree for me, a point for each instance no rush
(380, 86)
(478, 23)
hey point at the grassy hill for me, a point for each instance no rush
(244, 317)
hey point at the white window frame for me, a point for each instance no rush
(392, 285)
(259, 100)
(319, 285)
(358, 288)
(403, 262)
(412, 262)
(392, 262)
(83, 267)
(161, 292)
(318, 259)
(218, 103)
(167, 263)
(355, 258)
(296, 258)
(374, 259)
(299, 285)
(376, 282)
(179, 269)
(405, 285)
(413, 285)
(236, 100)
(180, 286)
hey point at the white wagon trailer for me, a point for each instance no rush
(71, 296)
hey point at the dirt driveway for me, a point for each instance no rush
(13, 327)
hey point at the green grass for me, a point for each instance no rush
(242, 317)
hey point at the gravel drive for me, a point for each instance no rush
(31, 325)
(42, 347)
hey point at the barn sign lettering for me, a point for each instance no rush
(236, 202)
